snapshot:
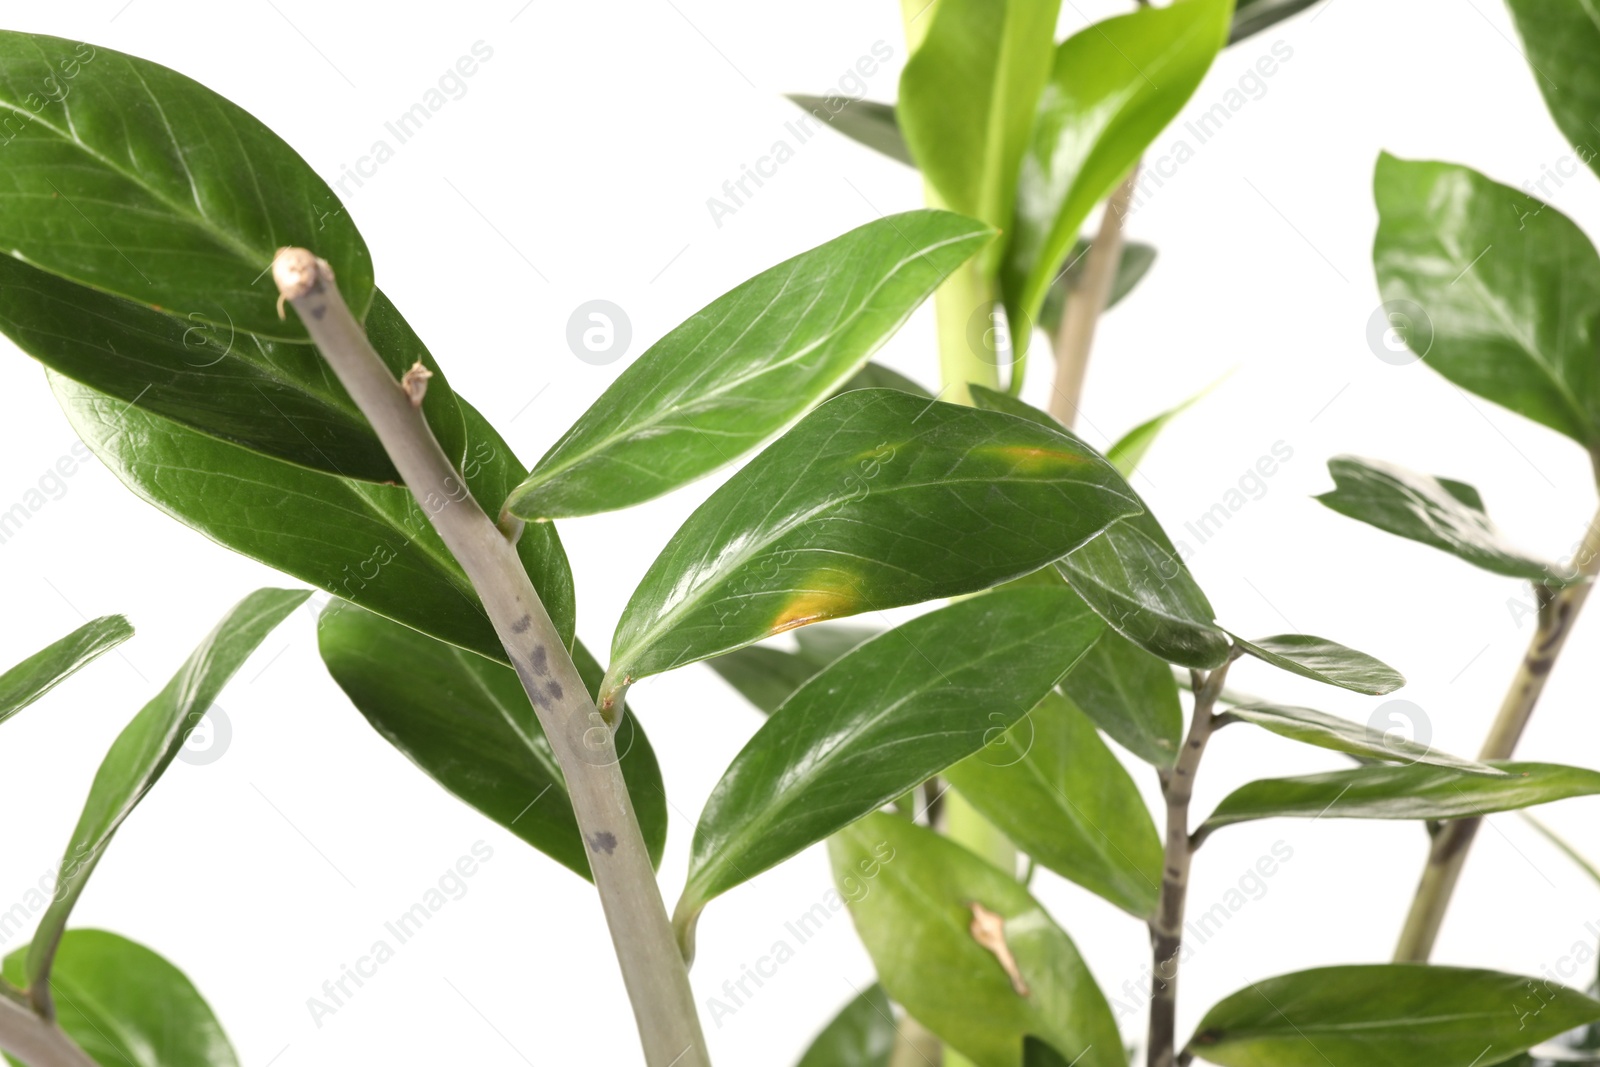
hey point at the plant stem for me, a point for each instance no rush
(1166, 927)
(35, 1040)
(964, 305)
(652, 969)
(1558, 611)
(1074, 338)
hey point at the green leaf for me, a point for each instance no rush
(1507, 286)
(58, 661)
(875, 500)
(1129, 450)
(1132, 696)
(1387, 1015)
(876, 723)
(273, 397)
(1131, 573)
(1114, 87)
(1037, 1053)
(746, 365)
(370, 544)
(862, 1035)
(1433, 511)
(1134, 263)
(1561, 39)
(1416, 791)
(130, 178)
(1326, 661)
(1341, 735)
(767, 676)
(967, 99)
(865, 121)
(1055, 789)
(911, 893)
(877, 376)
(125, 1006)
(147, 746)
(466, 722)
(1250, 17)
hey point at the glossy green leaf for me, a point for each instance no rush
(1039, 1053)
(1318, 728)
(126, 1006)
(747, 365)
(1134, 263)
(1132, 696)
(466, 722)
(147, 746)
(1387, 1015)
(128, 177)
(911, 893)
(56, 662)
(767, 676)
(1129, 450)
(865, 121)
(1434, 511)
(1508, 290)
(1416, 791)
(1059, 793)
(370, 544)
(877, 376)
(1325, 661)
(1560, 39)
(274, 397)
(1131, 573)
(877, 499)
(967, 100)
(862, 1035)
(1113, 88)
(878, 722)
(1251, 17)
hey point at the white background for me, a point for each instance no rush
(590, 143)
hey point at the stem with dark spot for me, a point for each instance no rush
(1166, 926)
(1558, 611)
(652, 969)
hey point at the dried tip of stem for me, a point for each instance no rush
(297, 272)
(415, 383)
(988, 929)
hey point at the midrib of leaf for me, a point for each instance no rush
(824, 760)
(629, 430)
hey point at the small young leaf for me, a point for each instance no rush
(916, 896)
(147, 746)
(865, 121)
(1561, 40)
(1433, 511)
(1417, 791)
(861, 1035)
(878, 722)
(1499, 292)
(370, 544)
(1387, 1015)
(967, 100)
(56, 662)
(467, 723)
(1326, 661)
(1132, 696)
(1129, 450)
(1114, 86)
(1053, 787)
(1341, 735)
(125, 1006)
(746, 365)
(128, 177)
(876, 499)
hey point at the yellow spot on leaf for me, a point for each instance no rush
(814, 605)
(1030, 458)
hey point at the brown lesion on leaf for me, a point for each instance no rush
(815, 605)
(988, 929)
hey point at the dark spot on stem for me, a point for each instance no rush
(553, 687)
(603, 841)
(539, 660)
(522, 624)
(319, 311)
